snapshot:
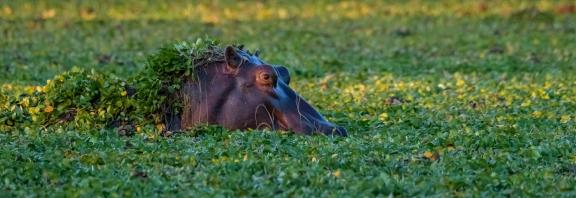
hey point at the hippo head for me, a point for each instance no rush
(243, 92)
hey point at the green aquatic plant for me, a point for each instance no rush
(86, 99)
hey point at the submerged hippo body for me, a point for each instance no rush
(243, 92)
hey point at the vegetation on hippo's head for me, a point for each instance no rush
(165, 71)
(180, 59)
(84, 99)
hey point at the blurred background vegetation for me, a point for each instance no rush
(43, 38)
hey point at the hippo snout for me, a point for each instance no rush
(301, 117)
(294, 113)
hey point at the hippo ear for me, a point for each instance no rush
(233, 59)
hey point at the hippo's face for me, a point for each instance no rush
(244, 92)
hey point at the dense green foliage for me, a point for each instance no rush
(82, 100)
(451, 98)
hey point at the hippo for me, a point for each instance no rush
(239, 91)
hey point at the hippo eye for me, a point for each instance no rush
(266, 78)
